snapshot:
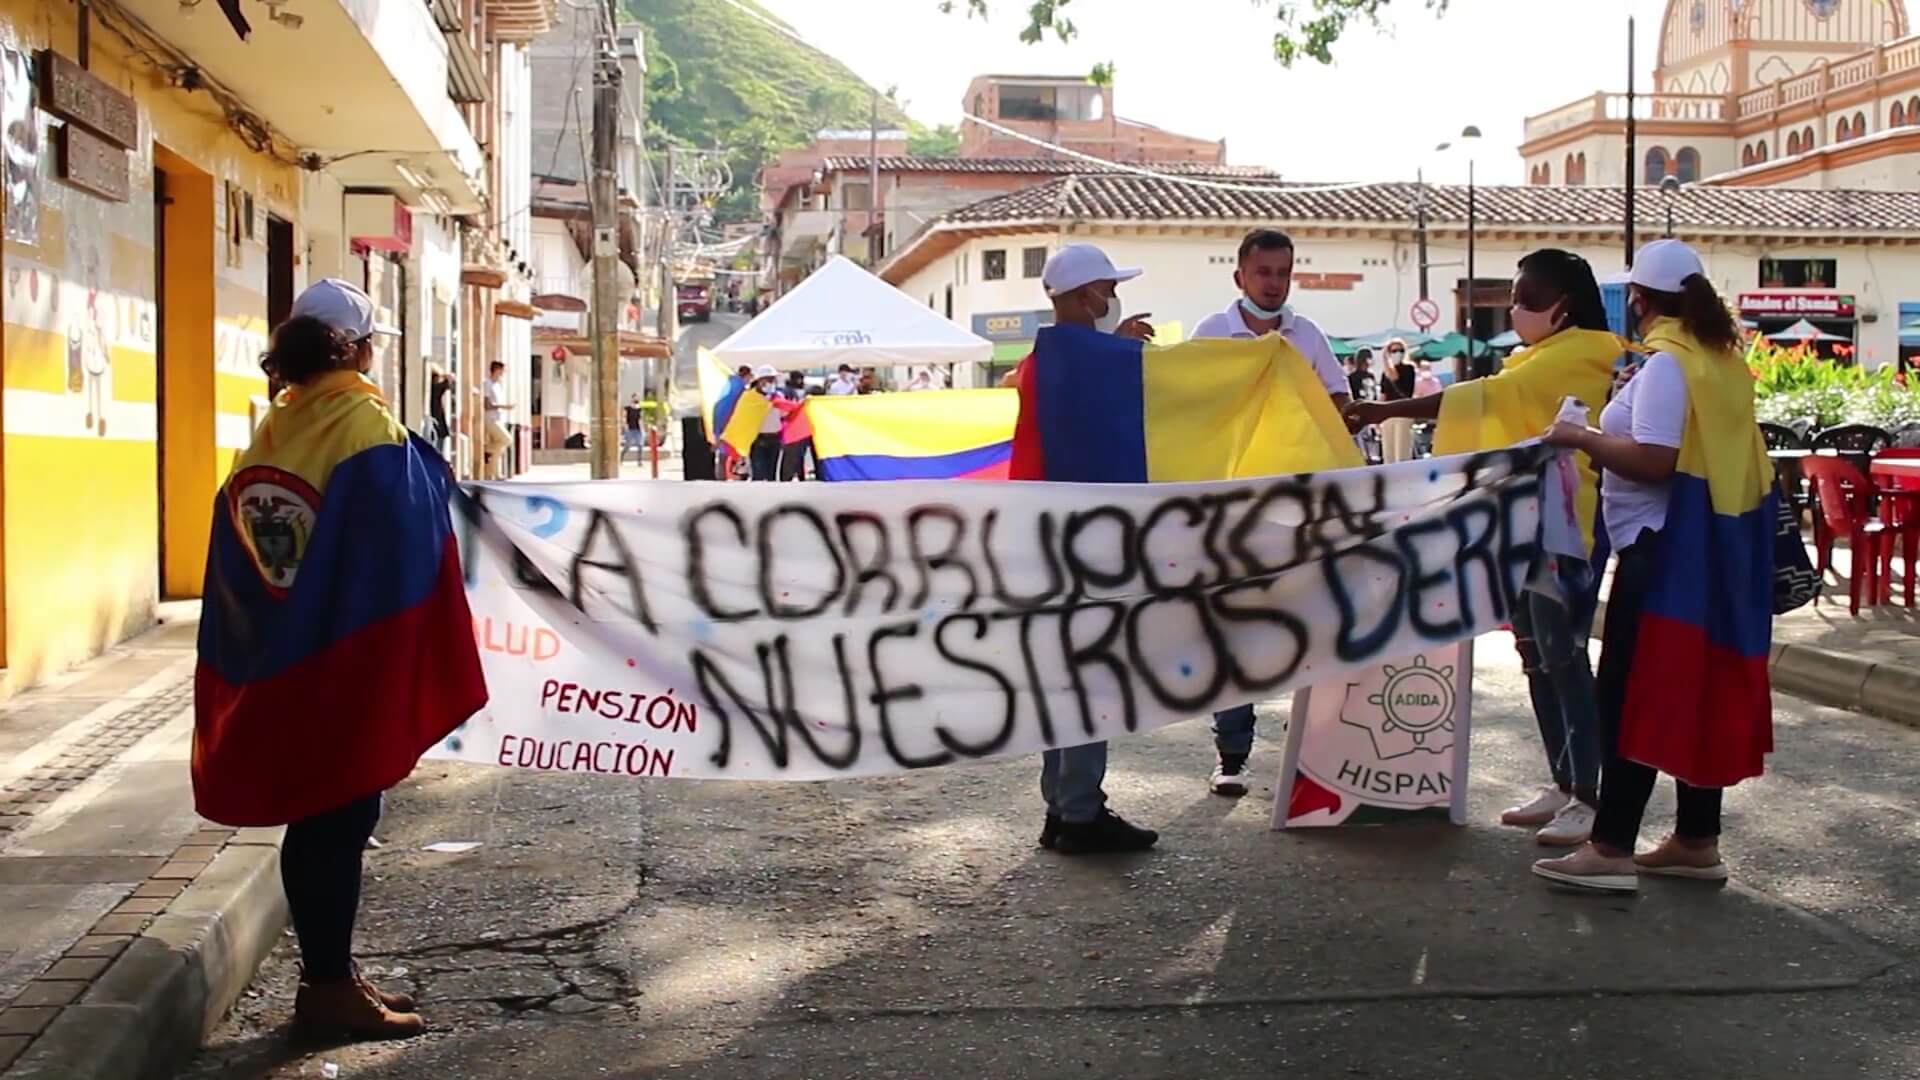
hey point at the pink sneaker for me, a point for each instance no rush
(1587, 869)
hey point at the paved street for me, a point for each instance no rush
(686, 351)
(909, 928)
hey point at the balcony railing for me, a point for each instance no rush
(1671, 108)
(1824, 79)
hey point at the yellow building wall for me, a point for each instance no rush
(81, 492)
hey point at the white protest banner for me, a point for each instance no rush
(810, 632)
(1386, 742)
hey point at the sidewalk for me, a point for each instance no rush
(1869, 663)
(131, 924)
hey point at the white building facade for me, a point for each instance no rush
(1853, 258)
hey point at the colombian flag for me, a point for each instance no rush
(1699, 706)
(731, 408)
(1103, 409)
(926, 435)
(1523, 400)
(335, 642)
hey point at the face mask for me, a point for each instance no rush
(1258, 312)
(1534, 326)
(1109, 322)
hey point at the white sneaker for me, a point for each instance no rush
(1539, 810)
(1571, 827)
(1229, 783)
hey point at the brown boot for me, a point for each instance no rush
(395, 1000)
(346, 1009)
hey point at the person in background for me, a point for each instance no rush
(1684, 498)
(1263, 272)
(869, 382)
(336, 645)
(633, 436)
(439, 389)
(1425, 381)
(844, 382)
(796, 435)
(1360, 382)
(1558, 313)
(922, 380)
(1396, 384)
(1081, 281)
(763, 458)
(499, 439)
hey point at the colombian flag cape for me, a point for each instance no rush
(732, 409)
(1699, 706)
(335, 642)
(1103, 409)
(1523, 400)
(927, 435)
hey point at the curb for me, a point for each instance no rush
(147, 1012)
(1842, 680)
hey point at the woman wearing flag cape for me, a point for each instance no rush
(335, 642)
(1570, 352)
(1685, 495)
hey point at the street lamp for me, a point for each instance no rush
(1468, 136)
(1669, 187)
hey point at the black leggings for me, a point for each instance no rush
(320, 870)
(1625, 786)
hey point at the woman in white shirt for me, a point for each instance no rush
(1691, 388)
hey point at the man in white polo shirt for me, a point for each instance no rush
(1265, 277)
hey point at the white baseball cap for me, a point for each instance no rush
(1081, 264)
(766, 371)
(1663, 266)
(343, 307)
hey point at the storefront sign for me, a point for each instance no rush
(999, 326)
(73, 93)
(92, 164)
(1797, 305)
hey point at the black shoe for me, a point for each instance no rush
(1050, 831)
(1107, 834)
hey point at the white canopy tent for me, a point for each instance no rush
(842, 314)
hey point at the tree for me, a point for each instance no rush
(942, 141)
(1307, 27)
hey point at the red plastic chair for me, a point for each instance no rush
(1846, 501)
(1900, 509)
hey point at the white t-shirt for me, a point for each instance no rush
(496, 397)
(842, 386)
(1301, 332)
(770, 423)
(1653, 410)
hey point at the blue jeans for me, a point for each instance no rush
(1553, 649)
(1233, 730)
(1070, 781)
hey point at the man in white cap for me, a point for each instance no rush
(1080, 280)
(764, 457)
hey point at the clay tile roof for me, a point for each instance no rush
(1128, 197)
(1031, 165)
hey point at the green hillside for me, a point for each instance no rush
(718, 76)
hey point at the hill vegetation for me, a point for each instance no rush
(728, 74)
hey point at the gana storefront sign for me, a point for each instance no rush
(997, 326)
(1798, 305)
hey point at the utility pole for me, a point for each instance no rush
(873, 187)
(1420, 224)
(606, 254)
(1632, 148)
(669, 299)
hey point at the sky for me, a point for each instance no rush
(1206, 68)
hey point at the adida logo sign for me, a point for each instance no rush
(1385, 743)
